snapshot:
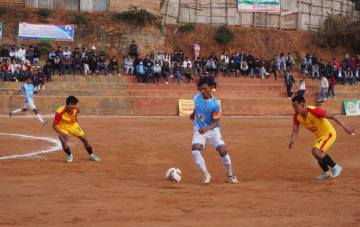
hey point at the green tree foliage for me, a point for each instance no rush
(224, 34)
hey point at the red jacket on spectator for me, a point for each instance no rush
(332, 81)
(353, 63)
(337, 65)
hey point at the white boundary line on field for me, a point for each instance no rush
(50, 149)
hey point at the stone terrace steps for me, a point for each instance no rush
(123, 96)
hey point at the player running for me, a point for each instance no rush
(207, 128)
(66, 122)
(29, 91)
(316, 120)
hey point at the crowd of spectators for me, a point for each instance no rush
(18, 64)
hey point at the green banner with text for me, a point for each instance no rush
(352, 107)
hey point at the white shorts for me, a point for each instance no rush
(212, 136)
(30, 105)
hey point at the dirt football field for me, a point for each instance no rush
(128, 186)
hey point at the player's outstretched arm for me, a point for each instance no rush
(62, 136)
(15, 93)
(294, 135)
(340, 122)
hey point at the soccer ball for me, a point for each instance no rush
(173, 175)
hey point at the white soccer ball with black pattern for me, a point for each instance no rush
(173, 175)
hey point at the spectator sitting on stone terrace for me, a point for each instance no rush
(76, 51)
(197, 67)
(152, 58)
(159, 58)
(346, 62)
(231, 67)
(47, 70)
(356, 75)
(52, 55)
(6, 71)
(66, 64)
(21, 53)
(186, 62)
(140, 72)
(14, 69)
(67, 52)
(83, 53)
(225, 57)
(129, 65)
(12, 53)
(114, 65)
(157, 71)
(188, 73)
(133, 49)
(101, 64)
(166, 57)
(303, 68)
(93, 52)
(29, 54)
(250, 61)
(56, 64)
(289, 61)
(149, 71)
(273, 66)
(177, 72)
(174, 58)
(77, 64)
(315, 70)
(5, 53)
(213, 56)
(59, 52)
(165, 71)
(86, 64)
(221, 66)
(321, 67)
(210, 66)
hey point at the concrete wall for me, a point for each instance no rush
(94, 5)
(71, 5)
(224, 12)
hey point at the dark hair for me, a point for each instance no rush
(28, 77)
(205, 80)
(299, 99)
(71, 99)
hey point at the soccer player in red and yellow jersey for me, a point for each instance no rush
(65, 122)
(316, 120)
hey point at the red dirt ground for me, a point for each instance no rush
(128, 187)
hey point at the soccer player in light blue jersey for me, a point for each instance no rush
(29, 91)
(207, 128)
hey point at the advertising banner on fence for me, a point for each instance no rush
(259, 6)
(186, 107)
(51, 32)
(352, 107)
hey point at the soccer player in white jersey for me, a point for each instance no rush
(207, 128)
(29, 91)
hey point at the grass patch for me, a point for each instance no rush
(80, 19)
(297, 56)
(186, 28)
(3, 10)
(136, 16)
(103, 53)
(44, 12)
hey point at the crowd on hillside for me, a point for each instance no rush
(16, 64)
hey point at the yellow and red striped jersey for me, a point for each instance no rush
(314, 121)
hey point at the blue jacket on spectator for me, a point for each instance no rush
(237, 59)
(143, 69)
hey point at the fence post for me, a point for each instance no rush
(299, 16)
(197, 11)
(167, 11)
(178, 19)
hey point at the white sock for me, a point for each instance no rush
(16, 111)
(40, 118)
(227, 164)
(199, 160)
(335, 166)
